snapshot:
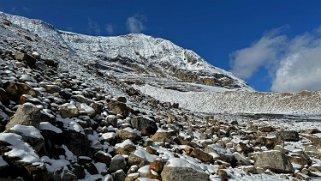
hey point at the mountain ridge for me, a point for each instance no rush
(138, 53)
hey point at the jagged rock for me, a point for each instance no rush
(180, 170)
(129, 133)
(117, 107)
(27, 114)
(30, 135)
(146, 125)
(288, 135)
(31, 61)
(273, 160)
(118, 162)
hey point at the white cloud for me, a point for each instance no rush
(110, 29)
(293, 64)
(261, 53)
(135, 24)
(300, 68)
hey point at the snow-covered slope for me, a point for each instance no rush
(143, 57)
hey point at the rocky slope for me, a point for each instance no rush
(63, 120)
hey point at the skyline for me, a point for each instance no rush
(271, 45)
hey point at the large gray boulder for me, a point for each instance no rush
(180, 170)
(273, 160)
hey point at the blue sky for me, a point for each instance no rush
(258, 40)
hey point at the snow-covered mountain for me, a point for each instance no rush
(78, 107)
(133, 56)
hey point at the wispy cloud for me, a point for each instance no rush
(93, 27)
(294, 64)
(110, 29)
(135, 24)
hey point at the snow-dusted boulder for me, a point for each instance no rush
(179, 169)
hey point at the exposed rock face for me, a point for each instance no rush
(180, 170)
(273, 160)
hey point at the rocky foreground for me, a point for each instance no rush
(58, 126)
